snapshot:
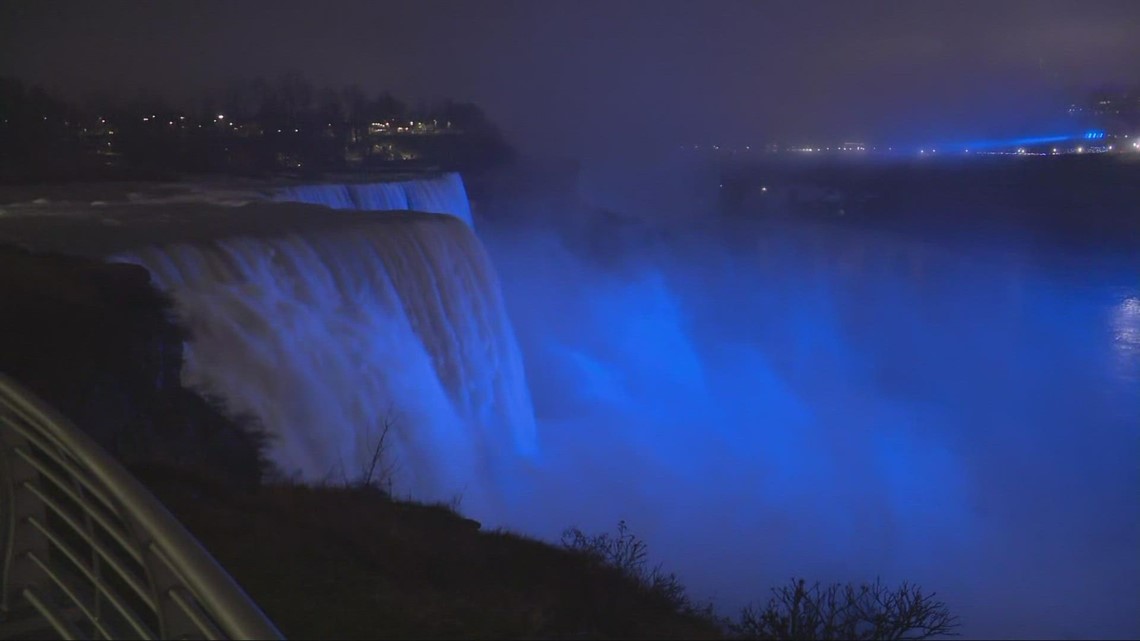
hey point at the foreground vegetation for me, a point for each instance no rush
(350, 562)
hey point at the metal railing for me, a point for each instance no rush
(86, 552)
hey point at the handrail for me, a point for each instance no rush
(89, 551)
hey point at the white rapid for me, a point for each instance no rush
(441, 195)
(328, 335)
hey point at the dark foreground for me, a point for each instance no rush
(350, 563)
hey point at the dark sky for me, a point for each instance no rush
(584, 74)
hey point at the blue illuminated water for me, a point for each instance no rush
(840, 403)
(444, 194)
(331, 336)
(757, 400)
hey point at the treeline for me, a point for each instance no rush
(249, 127)
(31, 121)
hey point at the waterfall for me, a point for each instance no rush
(331, 196)
(442, 195)
(325, 336)
(382, 197)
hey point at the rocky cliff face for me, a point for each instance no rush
(96, 341)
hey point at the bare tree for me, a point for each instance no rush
(331, 107)
(381, 468)
(868, 611)
(296, 94)
(629, 554)
(387, 106)
(240, 100)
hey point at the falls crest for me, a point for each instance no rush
(326, 336)
(441, 195)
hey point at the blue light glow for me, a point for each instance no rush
(1025, 142)
(1009, 143)
(834, 404)
(841, 405)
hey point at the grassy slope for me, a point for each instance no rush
(351, 563)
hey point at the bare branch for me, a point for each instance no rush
(868, 611)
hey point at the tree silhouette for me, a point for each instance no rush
(868, 611)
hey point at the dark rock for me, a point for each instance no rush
(97, 341)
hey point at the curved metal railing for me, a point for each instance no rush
(88, 553)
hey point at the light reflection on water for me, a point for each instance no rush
(1126, 334)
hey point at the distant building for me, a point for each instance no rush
(406, 127)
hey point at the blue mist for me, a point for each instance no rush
(757, 400)
(837, 404)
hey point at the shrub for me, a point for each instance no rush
(628, 554)
(866, 611)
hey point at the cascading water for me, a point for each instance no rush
(444, 195)
(389, 196)
(441, 195)
(332, 196)
(327, 336)
(813, 399)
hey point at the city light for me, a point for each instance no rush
(1025, 146)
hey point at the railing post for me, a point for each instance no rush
(184, 594)
(18, 539)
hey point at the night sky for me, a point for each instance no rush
(581, 75)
